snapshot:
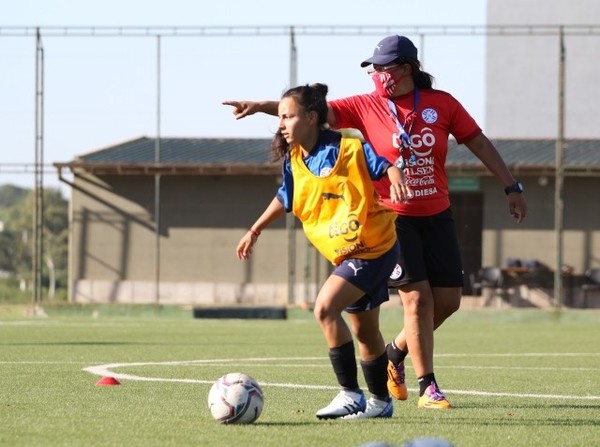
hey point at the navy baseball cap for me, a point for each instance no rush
(391, 48)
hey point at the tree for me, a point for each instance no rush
(11, 195)
(7, 251)
(19, 237)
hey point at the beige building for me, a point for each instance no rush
(144, 232)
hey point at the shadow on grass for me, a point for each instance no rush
(522, 414)
(287, 424)
(533, 406)
(512, 420)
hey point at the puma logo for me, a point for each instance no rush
(333, 196)
(353, 267)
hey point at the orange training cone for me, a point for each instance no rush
(107, 381)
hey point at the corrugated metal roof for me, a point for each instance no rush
(235, 156)
(185, 150)
(533, 153)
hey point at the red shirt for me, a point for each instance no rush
(438, 115)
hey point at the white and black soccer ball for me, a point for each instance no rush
(235, 398)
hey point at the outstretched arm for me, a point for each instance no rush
(271, 213)
(483, 149)
(242, 109)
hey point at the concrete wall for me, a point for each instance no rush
(535, 238)
(113, 240)
(113, 247)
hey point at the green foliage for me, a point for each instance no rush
(10, 195)
(10, 292)
(515, 377)
(7, 251)
(16, 239)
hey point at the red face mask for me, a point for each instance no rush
(385, 83)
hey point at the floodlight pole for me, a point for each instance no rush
(38, 198)
(422, 49)
(290, 220)
(157, 180)
(558, 184)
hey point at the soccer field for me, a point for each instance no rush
(515, 378)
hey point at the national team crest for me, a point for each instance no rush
(429, 115)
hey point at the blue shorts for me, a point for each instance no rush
(370, 276)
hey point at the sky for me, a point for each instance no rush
(102, 89)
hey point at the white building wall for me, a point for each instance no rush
(522, 82)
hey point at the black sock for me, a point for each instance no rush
(343, 361)
(375, 372)
(425, 381)
(395, 354)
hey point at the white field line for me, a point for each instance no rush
(308, 365)
(107, 370)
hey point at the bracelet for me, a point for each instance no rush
(254, 232)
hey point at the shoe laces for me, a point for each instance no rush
(434, 392)
(400, 374)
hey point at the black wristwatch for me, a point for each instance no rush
(515, 187)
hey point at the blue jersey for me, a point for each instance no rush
(321, 160)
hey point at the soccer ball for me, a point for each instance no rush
(235, 398)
